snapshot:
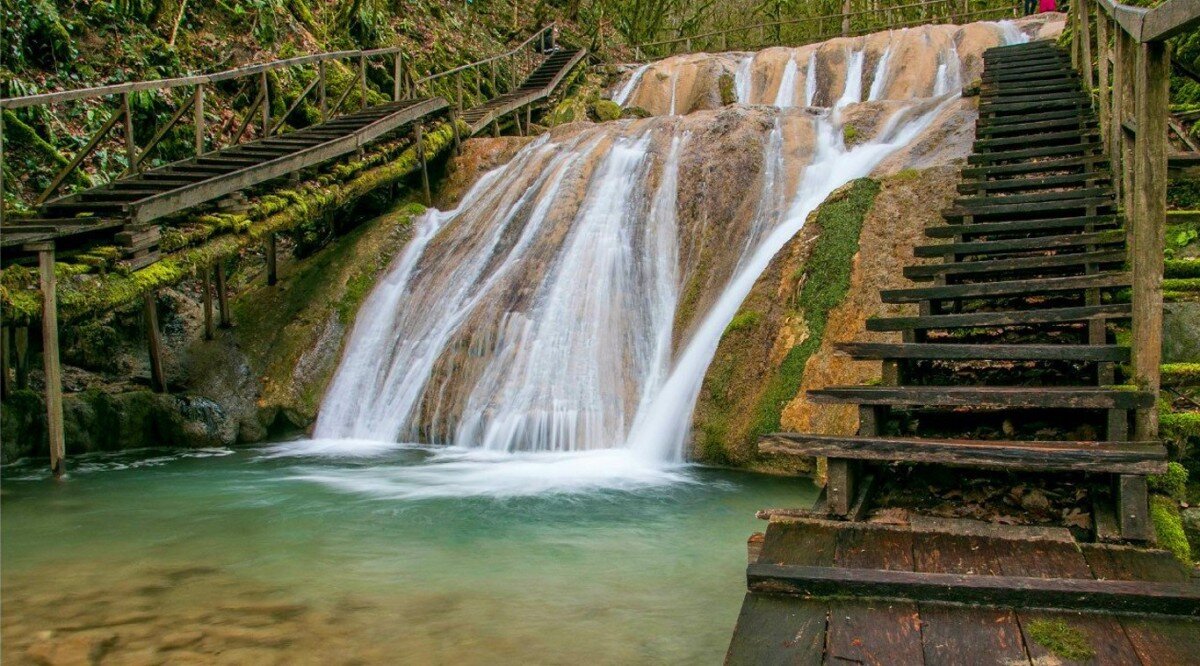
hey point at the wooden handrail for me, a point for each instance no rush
(499, 56)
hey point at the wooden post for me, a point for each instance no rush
(1085, 44)
(845, 18)
(420, 140)
(198, 119)
(321, 102)
(131, 152)
(206, 300)
(21, 351)
(362, 80)
(1128, 110)
(266, 104)
(1, 168)
(1149, 222)
(529, 120)
(1116, 133)
(272, 276)
(459, 99)
(223, 297)
(1102, 55)
(158, 380)
(50, 360)
(454, 128)
(5, 369)
(396, 77)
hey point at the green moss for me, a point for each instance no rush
(725, 84)
(1181, 374)
(826, 279)
(743, 320)
(1172, 483)
(1061, 639)
(635, 112)
(850, 135)
(604, 110)
(1168, 526)
(907, 175)
(1182, 285)
(1181, 268)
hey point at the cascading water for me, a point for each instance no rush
(623, 93)
(539, 317)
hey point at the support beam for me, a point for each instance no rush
(1148, 225)
(21, 354)
(50, 360)
(1133, 507)
(1103, 53)
(158, 380)
(1085, 44)
(131, 151)
(223, 297)
(420, 141)
(265, 83)
(322, 104)
(5, 369)
(362, 81)
(272, 276)
(206, 300)
(397, 77)
(454, 127)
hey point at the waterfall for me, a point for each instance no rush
(786, 97)
(624, 92)
(880, 79)
(539, 316)
(674, 90)
(743, 80)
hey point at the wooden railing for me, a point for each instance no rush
(847, 23)
(1122, 55)
(506, 72)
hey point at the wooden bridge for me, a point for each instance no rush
(142, 195)
(1057, 236)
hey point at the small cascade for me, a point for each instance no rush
(949, 75)
(853, 92)
(623, 93)
(743, 80)
(880, 79)
(810, 80)
(786, 96)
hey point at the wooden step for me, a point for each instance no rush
(1031, 456)
(1090, 162)
(995, 91)
(1082, 179)
(1023, 107)
(1019, 397)
(1003, 318)
(1021, 226)
(1067, 121)
(1078, 260)
(1075, 594)
(1033, 98)
(1110, 237)
(1108, 280)
(1009, 78)
(78, 207)
(1033, 66)
(1086, 148)
(1053, 195)
(1040, 138)
(1005, 123)
(984, 352)
(1041, 209)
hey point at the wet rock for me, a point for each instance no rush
(179, 639)
(75, 650)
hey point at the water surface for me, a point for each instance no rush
(303, 554)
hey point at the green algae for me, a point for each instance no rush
(1061, 639)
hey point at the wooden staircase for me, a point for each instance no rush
(1032, 272)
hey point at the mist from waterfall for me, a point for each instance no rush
(538, 317)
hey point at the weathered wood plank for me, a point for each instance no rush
(1009, 318)
(980, 637)
(778, 630)
(987, 396)
(1041, 285)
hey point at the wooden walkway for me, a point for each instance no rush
(1012, 333)
(127, 205)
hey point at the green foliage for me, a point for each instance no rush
(1172, 483)
(635, 112)
(1181, 268)
(743, 321)
(1060, 638)
(1168, 525)
(825, 281)
(33, 32)
(1180, 374)
(850, 135)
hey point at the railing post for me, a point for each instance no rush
(1085, 44)
(266, 103)
(206, 301)
(272, 273)
(223, 297)
(1102, 83)
(321, 102)
(396, 93)
(362, 80)
(459, 89)
(1, 167)
(419, 130)
(1149, 221)
(845, 18)
(1128, 66)
(198, 119)
(131, 152)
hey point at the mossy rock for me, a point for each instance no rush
(635, 112)
(569, 110)
(725, 84)
(1168, 526)
(604, 110)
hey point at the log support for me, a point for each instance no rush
(223, 297)
(50, 360)
(206, 301)
(5, 370)
(419, 138)
(1133, 507)
(21, 356)
(158, 380)
(272, 274)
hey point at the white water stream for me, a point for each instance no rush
(567, 260)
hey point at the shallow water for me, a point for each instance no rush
(302, 554)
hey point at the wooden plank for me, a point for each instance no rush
(778, 630)
(992, 590)
(862, 546)
(1164, 640)
(1037, 264)
(1122, 562)
(985, 201)
(976, 636)
(1041, 285)
(1102, 634)
(1009, 318)
(795, 544)
(1040, 209)
(1025, 168)
(1111, 457)
(1133, 508)
(874, 632)
(1082, 397)
(1019, 226)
